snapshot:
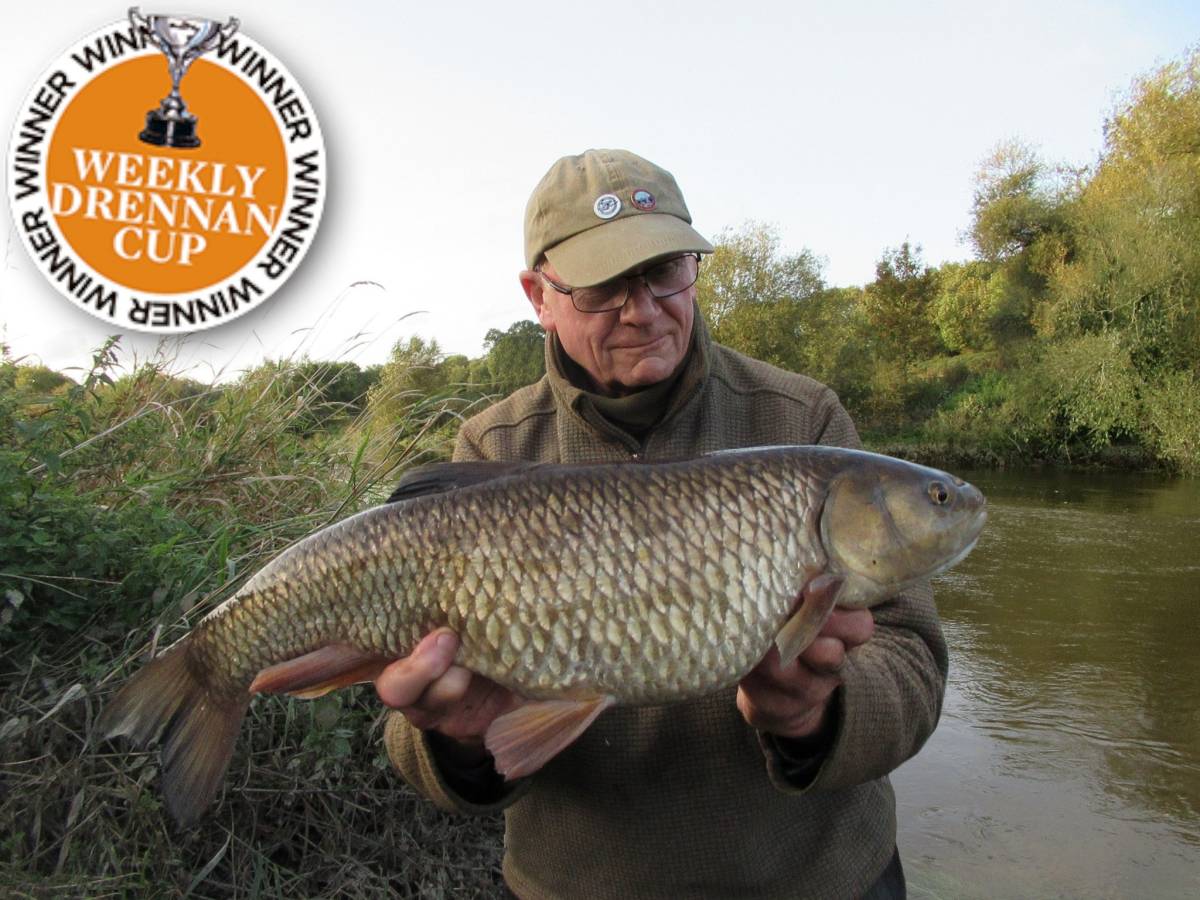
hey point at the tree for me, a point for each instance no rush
(1136, 227)
(774, 306)
(748, 266)
(1016, 201)
(514, 357)
(37, 381)
(897, 305)
(340, 383)
(963, 307)
(410, 381)
(322, 394)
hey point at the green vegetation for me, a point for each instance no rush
(1074, 336)
(133, 504)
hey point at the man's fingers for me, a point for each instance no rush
(460, 705)
(759, 705)
(787, 685)
(825, 655)
(446, 691)
(808, 680)
(764, 706)
(850, 626)
(404, 681)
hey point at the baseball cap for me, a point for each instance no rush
(604, 212)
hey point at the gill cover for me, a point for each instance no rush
(887, 524)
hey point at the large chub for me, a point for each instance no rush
(577, 587)
(170, 700)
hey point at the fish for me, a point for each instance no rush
(577, 586)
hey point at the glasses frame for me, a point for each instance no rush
(570, 291)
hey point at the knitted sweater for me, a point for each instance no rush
(687, 800)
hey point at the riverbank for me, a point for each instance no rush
(948, 455)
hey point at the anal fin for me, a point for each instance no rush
(820, 595)
(317, 673)
(524, 740)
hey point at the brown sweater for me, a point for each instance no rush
(688, 800)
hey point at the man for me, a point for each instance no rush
(777, 788)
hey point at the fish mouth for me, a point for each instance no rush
(962, 554)
(952, 561)
(956, 559)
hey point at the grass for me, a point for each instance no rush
(134, 504)
(311, 808)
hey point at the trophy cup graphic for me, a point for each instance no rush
(183, 39)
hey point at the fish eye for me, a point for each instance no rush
(938, 493)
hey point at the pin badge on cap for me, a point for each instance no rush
(607, 206)
(643, 200)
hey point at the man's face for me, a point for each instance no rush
(622, 350)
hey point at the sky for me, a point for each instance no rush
(849, 130)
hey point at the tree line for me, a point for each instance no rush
(1072, 334)
(1074, 330)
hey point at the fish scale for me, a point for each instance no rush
(537, 562)
(581, 586)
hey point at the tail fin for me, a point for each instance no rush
(167, 700)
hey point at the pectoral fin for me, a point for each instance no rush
(319, 672)
(820, 595)
(527, 738)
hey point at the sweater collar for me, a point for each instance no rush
(636, 414)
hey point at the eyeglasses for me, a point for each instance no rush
(663, 280)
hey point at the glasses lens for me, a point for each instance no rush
(672, 276)
(665, 279)
(600, 297)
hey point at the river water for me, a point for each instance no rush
(1067, 760)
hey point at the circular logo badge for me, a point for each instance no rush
(167, 173)
(607, 206)
(643, 200)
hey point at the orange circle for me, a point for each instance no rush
(129, 209)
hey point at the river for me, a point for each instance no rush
(1067, 759)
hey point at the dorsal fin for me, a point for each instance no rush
(437, 478)
(734, 451)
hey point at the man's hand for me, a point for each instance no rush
(435, 695)
(792, 702)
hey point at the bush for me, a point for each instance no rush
(981, 415)
(131, 506)
(1172, 414)
(1087, 390)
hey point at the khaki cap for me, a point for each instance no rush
(604, 212)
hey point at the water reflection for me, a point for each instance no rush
(1068, 757)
